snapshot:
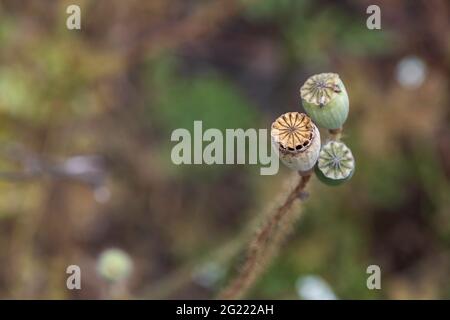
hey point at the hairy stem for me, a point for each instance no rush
(335, 134)
(265, 243)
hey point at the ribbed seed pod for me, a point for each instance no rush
(336, 163)
(297, 139)
(325, 100)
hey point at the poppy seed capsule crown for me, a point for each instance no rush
(325, 100)
(336, 163)
(297, 139)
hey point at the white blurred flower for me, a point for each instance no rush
(411, 72)
(87, 168)
(314, 288)
(81, 165)
(114, 265)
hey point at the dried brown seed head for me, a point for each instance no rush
(293, 131)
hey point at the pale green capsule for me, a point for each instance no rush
(325, 100)
(336, 163)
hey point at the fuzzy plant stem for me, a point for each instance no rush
(265, 242)
(335, 134)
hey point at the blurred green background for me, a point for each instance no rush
(85, 124)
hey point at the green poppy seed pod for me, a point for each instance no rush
(325, 100)
(297, 139)
(336, 163)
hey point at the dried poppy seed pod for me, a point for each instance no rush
(325, 100)
(297, 139)
(336, 163)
